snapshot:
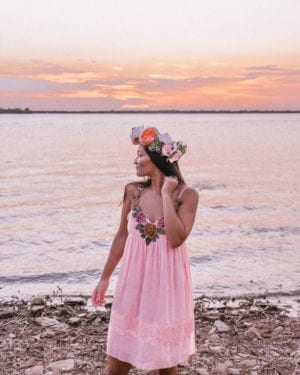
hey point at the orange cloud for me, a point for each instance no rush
(158, 85)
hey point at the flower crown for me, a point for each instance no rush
(160, 143)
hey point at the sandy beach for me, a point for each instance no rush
(65, 334)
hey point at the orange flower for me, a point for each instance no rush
(150, 230)
(148, 135)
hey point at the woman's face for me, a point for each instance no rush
(143, 163)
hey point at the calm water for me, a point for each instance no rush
(62, 179)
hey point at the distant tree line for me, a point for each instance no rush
(27, 110)
(15, 110)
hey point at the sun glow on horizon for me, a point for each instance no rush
(182, 55)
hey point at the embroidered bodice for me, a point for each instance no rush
(148, 230)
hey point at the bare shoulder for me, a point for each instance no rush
(131, 189)
(189, 193)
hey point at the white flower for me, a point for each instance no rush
(164, 138)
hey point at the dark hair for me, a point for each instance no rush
(167, 168)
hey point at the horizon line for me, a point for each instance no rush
(151, 111)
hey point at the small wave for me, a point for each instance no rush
(66, 277)
(248, 231)
(291, 230)
(208, 186)
(239, 208)
(197, 259)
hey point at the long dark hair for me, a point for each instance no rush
(167, 168)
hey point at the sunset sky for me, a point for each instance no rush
(156, 54)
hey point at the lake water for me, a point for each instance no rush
(62, 178)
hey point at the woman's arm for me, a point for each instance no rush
(116, 250)
(178, 225)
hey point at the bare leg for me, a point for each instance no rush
(116, 367)
(168, 371)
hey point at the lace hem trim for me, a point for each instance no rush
(170, 333)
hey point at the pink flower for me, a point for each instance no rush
(175, 156)
(167, 149)
(141, 218)
(160, 223)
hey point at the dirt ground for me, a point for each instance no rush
(65, 334)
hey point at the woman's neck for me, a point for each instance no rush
(157, 181)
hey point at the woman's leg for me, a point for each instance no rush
(116, 367)
(168, 371)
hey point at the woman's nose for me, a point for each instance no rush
(135, 161)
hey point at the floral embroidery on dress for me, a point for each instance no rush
(149, 231)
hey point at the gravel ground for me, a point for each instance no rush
(64, 334)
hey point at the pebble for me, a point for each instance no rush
(221, 326)
(252, 333)
(74, 321)
(35, 370)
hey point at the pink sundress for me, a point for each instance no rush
(152, 317)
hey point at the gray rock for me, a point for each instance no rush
(72, 301)
(212, 316)
(63, 365)
(51, 322)
(38, 301)
(221, 326)
(102, 311)
(252, 333)
(202, 371)
(74, 321)
(7, 313)
(37, 309)
(35, 370)
(47, 322)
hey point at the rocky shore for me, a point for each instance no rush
(65, 334)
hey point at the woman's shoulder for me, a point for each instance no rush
(133, 189)
(187, 192)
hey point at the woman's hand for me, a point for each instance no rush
(169, 186)
(98, 297)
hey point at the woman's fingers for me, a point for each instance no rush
(98, 298)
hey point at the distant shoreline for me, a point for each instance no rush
(28, 111)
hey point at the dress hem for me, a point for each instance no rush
(162, 366)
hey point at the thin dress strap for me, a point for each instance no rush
(178, 200)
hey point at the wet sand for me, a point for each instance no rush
(65, 334)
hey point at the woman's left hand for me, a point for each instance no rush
(169, 186)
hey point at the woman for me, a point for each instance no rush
(152, 322)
